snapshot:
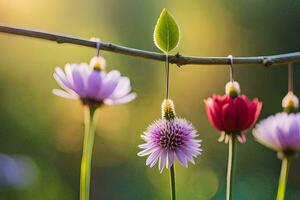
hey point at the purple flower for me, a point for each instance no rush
(280, 132)
(93, 85)
(166, 139)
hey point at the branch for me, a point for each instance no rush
(175, 59)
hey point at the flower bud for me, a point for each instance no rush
(168, 109)
(232, 89)
(98, 63)
(290, 102)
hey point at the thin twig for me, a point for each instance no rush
(175, 59)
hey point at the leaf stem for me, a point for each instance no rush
(172, 182)
(85, 174)
(283, 178)
(231, 166)
(167, 75)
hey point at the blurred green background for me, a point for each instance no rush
(46, 131)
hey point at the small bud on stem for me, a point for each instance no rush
(98, 63)
(290, 103)
(232, 89)
(168, 109)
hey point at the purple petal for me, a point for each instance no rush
(162, 161)
(148, 151)
(282, 137)
(60, 75)
(110, 82)
(153, 158)
(78, 83)
(294, 128)
(122, 89)
(188, 155)
(181, 158)
(63, 85)
(94, 83)
(170, 159)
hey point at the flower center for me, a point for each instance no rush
(91, 102)
(170, 139)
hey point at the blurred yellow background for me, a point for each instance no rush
(45, 132)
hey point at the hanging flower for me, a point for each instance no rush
(280, 132)
(168, 138)
(92, 85)
(232, 113)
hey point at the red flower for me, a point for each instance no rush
(232, 115)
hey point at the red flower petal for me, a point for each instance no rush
(221, 100)
(254, 108)
(214, 113)
(241, 109)
(229, 117)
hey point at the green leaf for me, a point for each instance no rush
(166, 33)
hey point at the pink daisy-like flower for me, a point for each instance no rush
(91, 84)
(169, 138)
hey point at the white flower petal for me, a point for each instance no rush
(64, 94)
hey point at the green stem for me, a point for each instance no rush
(85, 174)
(283, 178)
(172, 181)
(230, 166)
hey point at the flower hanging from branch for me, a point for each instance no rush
(94, 87)
(281, 132)
(232, 113)
(169, 138)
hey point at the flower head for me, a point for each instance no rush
(166, 139)
(280, 132)
(92, 85)
(232, 115)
